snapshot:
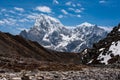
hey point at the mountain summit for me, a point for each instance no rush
(86, 24)
(52, 34)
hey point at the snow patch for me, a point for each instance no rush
(114, 48)
(119, 30)
(101, 49)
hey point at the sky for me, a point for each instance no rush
(17, 15)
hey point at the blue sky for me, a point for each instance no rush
(16, 15)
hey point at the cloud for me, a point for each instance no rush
(78, 10)
(102, 1)
(78, 4)
(82, 8)
(60, 16)
(79, 16)
(68, 3)
(55, 2)
(19, 9)
(1, 22)
(71, 9)
(3, 10)
(44, 9)
(8, 21)
(73, 5)
(64, 11)
(11, 11)
(23, 20)
(75, 10)
(32, 16)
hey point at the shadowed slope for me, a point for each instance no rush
(17, 50)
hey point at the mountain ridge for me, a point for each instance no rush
(52, 34)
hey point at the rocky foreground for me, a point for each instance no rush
(84, 74)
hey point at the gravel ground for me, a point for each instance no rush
(84, 74)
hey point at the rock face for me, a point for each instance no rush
(17, 52)
(106, 51)
(52, 34)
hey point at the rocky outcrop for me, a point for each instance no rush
(106, 51)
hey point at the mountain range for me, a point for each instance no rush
(52, 34)
(19, 53)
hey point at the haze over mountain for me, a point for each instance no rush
(52, 34)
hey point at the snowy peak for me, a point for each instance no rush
(86, 24)
(50, 33)
(46, 21)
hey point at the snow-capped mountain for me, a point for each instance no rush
(106, 51)
(52, 34)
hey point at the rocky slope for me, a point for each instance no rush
(52, 34)
(106, 51)
(18, 52)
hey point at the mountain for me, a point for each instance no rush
(17, 52)
(52, 34)
(106, 51)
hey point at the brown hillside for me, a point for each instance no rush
(15, 50)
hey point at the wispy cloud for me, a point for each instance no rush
(79, 16)
(11, 11)
(8, 21)
(73, 5)
(71, 9)
(76, 10)
(19, 9)
(44, 9)
(1, 22)
(78, 4)
(3, 10)
(55, 2)
(82, 8)
(64, 11)
(32, 16)
(60, 16)
(102, 1)
(23, 20)
(68, 3)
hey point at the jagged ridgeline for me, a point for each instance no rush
(52, 34)
(106, 51)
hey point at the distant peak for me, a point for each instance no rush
(42, 18)
(86, 24)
